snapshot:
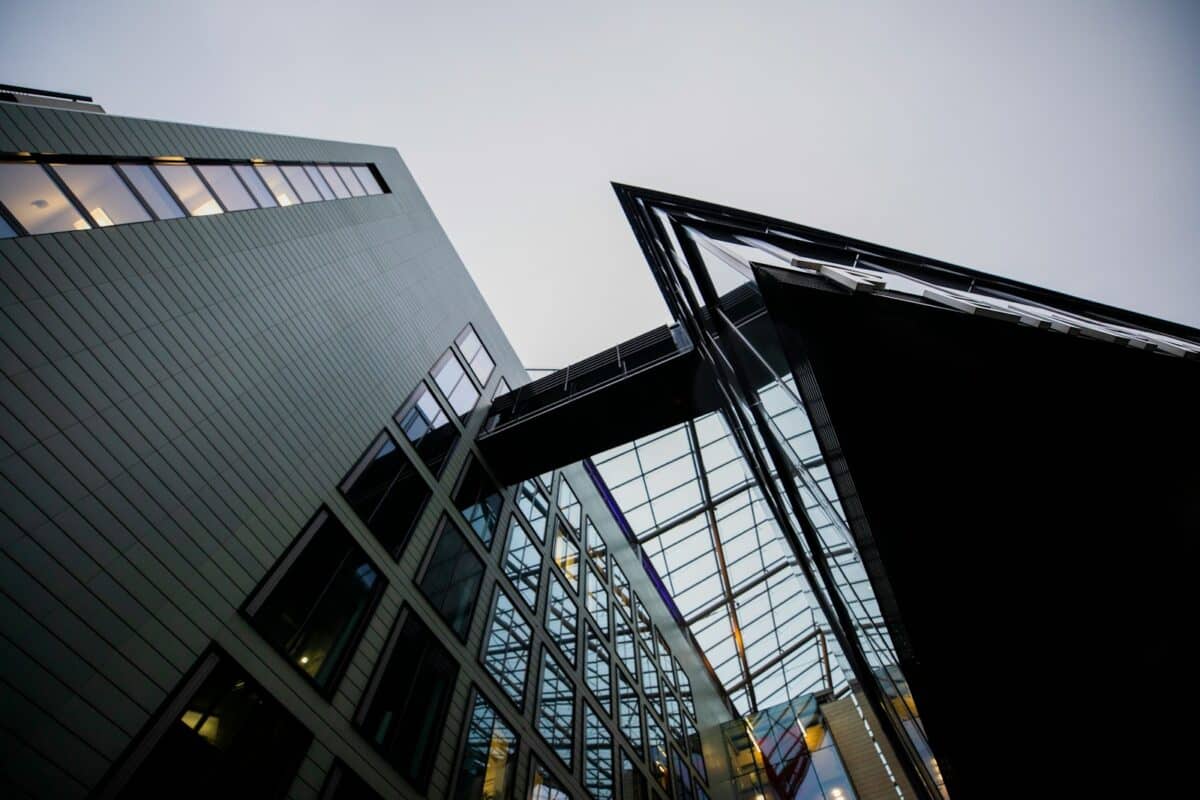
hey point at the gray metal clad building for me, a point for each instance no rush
(240, 489)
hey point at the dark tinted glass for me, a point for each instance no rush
(522, 563)
(387, 493)
(489, 758)
(561, 619)
(315, 611)
(630, 712)
(683, 778)
(479, 501)
(152, 190)
(299, 180)
(229, 188)
(596, 668)
(452, 576)
(405, 711)
(254, 183)
(535, 506)
(190, 190)
(633, 782)
(597, 756)
(228, 739)
(556, 710)
(450, 377)
(343, 783)
(36, 202)
(428, 429)
(318, 180)
(100, 190)
(506, 648)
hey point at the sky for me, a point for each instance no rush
(1055, 143)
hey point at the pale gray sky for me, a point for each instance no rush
(1056, 143)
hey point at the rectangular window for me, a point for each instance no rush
(625, 646)
(284, 194)
(665, 662)
(251, 177)
(317, 600)
(544, 786)
(387, 493)
(556, 710)
(428, 429)
(506, 648)
(334, 181)
(570, 506)
(476, 354)
(36, 202)
(696, 747)
(562, 618)
(633, 782)
(597, 550)
(597, 598)
(674, 717)
(657, 745)
(597, 756)
(489, 756)
(685, 690)
(403, 713)
(451, 579)
(535, 506)
(100, 190)
(228, 187)
(650, 684)
(630, 713)
(479, 501)
(597, 669)
(222, 734)
(644, 628)
(343, 783)
(683, 778)
(152, 190)
(192, 193)
(621, 589)
(351, 180)
(566, 555)
(300, 182)
(522, 563)
(457, 388)
(367, 178)
(318, 180)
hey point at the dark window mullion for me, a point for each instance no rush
(171, 190)
(211, 190)
(57, 180)
(241, 180)
(133, 190)
(12, 222)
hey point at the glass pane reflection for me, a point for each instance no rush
(191, 191)
(229, 188)
(452, 577)
(522, 563)
(506, 649)
(556, 710)
(597, 756)
(152, 190)
(102, 192)
(561, 619)
(489, 758)
(36, 203)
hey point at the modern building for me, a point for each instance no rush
(284, 516)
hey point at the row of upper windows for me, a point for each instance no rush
(49, 196)
(318, 599)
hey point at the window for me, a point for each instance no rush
(229, 188)
(534, 505)
(597, 670)
(561, 619)
(367, 178)
(642, 618)
(665, 662)
(6, 230)
(317, 600)
(334, 181)
(387, 493)
(657, 745)
(597, 756)
(629, 712)
(506, 648)
(225, 737)
(685, 690)
(284, 194)
(697, 750)
(318, 180)
(522, 563)
(351, 180)
(300, 182)
(251, 177)
(649, 679)
(633, 782)
(566, 555)
(342, 783)
(475, 354)
(547, 479)
(569, 504)
(36, 202)
(403, 713)
(192, 193)
(451, 579)
(556, 710)
(625, 645)
(544, 786)
(674, 717)
(683, 778)
(596, 549)
(489, 756)
(101, 191)
(450, 377)
(621, 589)
(479, 501)
(151, 188)
(428, 429)
(597, 598)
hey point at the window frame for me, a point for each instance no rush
(474, 693)
(356, 471)
(445, 523)
(533, 638)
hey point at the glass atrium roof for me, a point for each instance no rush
(693, 504)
